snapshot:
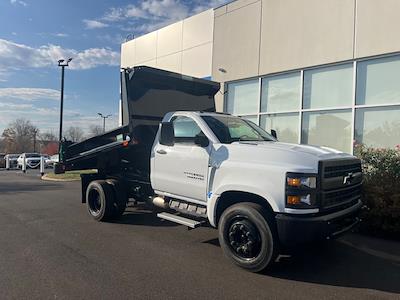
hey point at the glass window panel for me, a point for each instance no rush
(328, 87)
(253, 119)
(378, 81)
(243, 97)
(330, 128)
(280, 93)
(185, 129)
(378, 127)
(286, 126)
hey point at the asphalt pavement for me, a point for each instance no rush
(51, 249)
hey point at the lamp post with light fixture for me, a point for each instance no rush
(104, 120)
(62, 63)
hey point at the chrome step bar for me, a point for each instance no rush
(180, 220)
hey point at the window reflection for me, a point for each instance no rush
(243, 97)
(378, 127)
(378, 81)
(286, 126)
(280, 93)
(330, 129)
(328, 87)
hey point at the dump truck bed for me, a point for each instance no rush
(147, 95)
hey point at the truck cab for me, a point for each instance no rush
(219, 160)
(202, 167)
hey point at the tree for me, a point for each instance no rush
(74, 134)
(95, 130)
(48, 136)
(2, 146)
(48, 143)
(20, 136)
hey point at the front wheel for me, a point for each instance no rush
(247, 236)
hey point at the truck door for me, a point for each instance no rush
(182, 169)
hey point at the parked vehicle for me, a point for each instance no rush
(32, 160)
(13, 160)
(201, 167)
(2, 160)
(51, 160)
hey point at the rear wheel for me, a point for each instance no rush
(247, 236)
(100, 200)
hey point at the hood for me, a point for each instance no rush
(291, 157)
(317, 151)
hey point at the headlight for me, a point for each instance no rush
(301, 181)
(301, 190)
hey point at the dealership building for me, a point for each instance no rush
(318, 72)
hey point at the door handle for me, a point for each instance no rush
(161, 151)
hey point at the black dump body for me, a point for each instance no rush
(147, 95)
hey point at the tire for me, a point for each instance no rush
(120, 196)
(100, 200)
(247, 236)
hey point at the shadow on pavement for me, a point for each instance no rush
(340, 265)
(140, 215)
(335, 264)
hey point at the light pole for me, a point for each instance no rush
(35, 131)
(62, 63)
(104, 120)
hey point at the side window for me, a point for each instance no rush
(185, 129)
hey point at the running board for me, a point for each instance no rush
(180, 220)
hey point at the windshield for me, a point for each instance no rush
(230, 129)
(31, 155)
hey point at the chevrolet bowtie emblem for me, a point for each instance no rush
(347, 179)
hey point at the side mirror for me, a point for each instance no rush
(201, 140)
(167, 134)
(273, 133)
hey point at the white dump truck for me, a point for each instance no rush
(199, 167)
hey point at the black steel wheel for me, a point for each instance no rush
(244, 238)
(99, 200)
(247, 236)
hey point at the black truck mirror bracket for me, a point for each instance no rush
(201, 140)
(274, 134)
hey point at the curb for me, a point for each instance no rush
(44, 177)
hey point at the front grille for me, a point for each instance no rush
(341, 196)
(341, 181)
(343, 170)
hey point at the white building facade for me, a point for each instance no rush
(318, 72)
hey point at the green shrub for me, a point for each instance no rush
(381, 191)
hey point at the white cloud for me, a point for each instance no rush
(59, 34)
(20, 2)
(93, 24)
(15, 106)
(15, 56)
(204, 5)
(28, 94)
(47, 118)
(150, 15)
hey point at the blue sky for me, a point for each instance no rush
(34, 34)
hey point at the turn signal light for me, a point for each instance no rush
(125, 143)
(294, 182)
(293, 200)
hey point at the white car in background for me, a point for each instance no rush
(13, 159)
(50, 161)
(32, 160)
